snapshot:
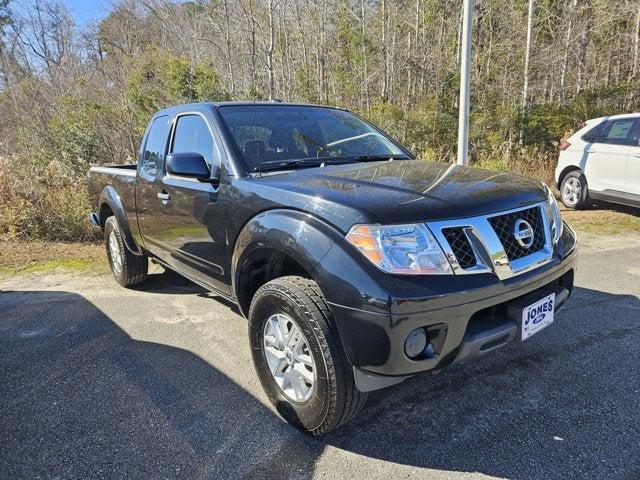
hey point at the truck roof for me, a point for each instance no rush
(186, 106)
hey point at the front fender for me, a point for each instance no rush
(301, 236)
(109, 196)
(359, 304)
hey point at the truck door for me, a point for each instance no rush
(192, 213)
(148, 205)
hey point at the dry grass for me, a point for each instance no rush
(604, 220)
(26, 257)
(18, 257)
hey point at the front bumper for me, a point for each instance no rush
(465, 316)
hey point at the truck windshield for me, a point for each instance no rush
(286, 136)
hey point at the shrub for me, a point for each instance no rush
(33, 208)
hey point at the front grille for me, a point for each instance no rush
(460, 246)
(504, 226)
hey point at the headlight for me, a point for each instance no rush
(556, 220)
(401, 249)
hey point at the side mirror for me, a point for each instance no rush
(188, 164)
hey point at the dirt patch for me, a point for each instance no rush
(26, 257)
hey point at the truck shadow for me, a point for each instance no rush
(81, 398)
(162, 280)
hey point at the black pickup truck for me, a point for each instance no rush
(356, 264)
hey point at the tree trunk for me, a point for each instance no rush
(270, 50)
(636, 46)
(365, 72)
(227, 35)
(583, 45)
(254, 67)
(567, 41)
(384, 94)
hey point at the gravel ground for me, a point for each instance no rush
(103, 382)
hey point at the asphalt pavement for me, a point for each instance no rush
(98, 381)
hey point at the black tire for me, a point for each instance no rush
(334, 399)
(572, 198)
(130, 269)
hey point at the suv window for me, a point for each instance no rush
(592, 135)
(192, 135)
(619, 132)
(155, 145)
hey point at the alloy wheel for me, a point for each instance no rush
(289, 358)
(571, 191)
(114, 252)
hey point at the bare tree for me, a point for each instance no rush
(636, 45)
(271, 9)
(567, 45)
(45, 32)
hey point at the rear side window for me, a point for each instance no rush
(592, 135)
(155, 145)
(193, 135)
(619, 132)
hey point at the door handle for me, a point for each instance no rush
(637, 155)
(590, 150)
(164, 196)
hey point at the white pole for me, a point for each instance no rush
(527, 56)
(465, 80)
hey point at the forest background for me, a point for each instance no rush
(75, 95)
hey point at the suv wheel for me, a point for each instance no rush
(297, 353)
(127, 268)
(573, 190)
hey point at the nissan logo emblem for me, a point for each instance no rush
(523, 233)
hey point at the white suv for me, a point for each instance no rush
(601, 161)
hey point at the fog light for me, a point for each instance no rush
(415, 343)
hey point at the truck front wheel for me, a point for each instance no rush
(299, 358)
(128, 269)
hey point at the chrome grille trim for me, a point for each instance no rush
(487, 248)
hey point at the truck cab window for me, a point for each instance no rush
(192, 135)
(281, 133)
(154, 147)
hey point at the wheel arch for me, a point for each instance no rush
(565, 171)
(111, 204)
(277, 243)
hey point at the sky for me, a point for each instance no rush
(87, 11)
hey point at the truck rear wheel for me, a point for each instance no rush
(128, 269)
(299, 358)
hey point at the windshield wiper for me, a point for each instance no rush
(377, 158)
(287, 164)
(318, 162)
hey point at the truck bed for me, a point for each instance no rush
(118, 180)
(128, 170)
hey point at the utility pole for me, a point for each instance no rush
(527, 57)
(465, 81)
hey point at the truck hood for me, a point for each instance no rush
(412, 190)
